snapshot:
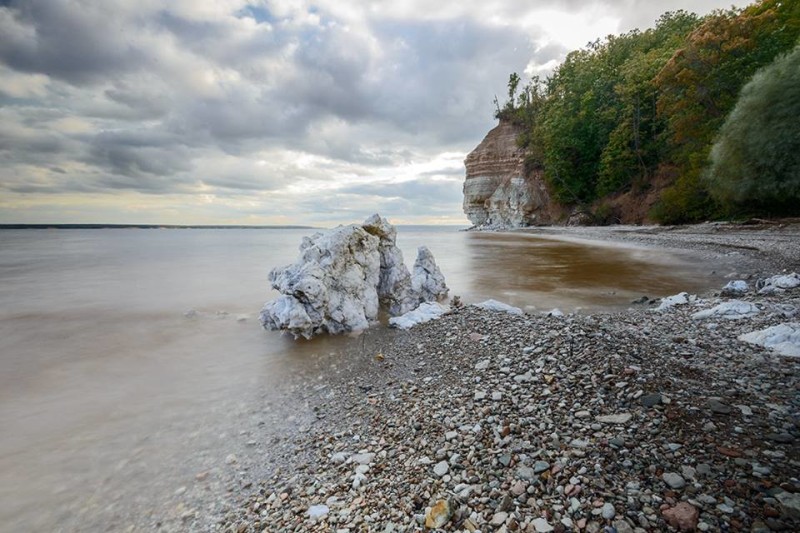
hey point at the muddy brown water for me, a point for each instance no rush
(111, 400)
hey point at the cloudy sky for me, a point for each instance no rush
(267, 112)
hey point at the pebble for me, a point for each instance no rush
(674, 480)
(569, 439)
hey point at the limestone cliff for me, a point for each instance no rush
(497, 192)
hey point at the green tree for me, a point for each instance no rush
(756, 159)
(699, 86)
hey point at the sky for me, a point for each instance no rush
(267, 112)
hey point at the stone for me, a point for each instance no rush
(441, 468)
(718, 407)
(790, 504)
(362, 458)
(779, 283)
(343, 276)
(494, 305)
(498, 192)
(622, 526)
(525, 472)
(731, 310)
(438, 515)
(682, 298)
(427, 281)
(426, 312)
(651, 400)
(315, 512)
(735, 288)
(542, 526)
(783, 338)
(540, 466)
(608, 512)
(620, 418)
(683, 516)
(674, 480)
(499, 518)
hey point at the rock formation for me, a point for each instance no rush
(497, 191)
(342, 278)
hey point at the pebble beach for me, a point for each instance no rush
(636, 420)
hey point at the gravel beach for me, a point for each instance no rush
(638, 420)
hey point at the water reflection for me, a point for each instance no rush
(534, 272)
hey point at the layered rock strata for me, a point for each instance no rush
(343, 277)
(497, 190)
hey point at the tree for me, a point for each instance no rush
(700, 84)
(756, 159)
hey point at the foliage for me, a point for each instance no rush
(615, 112)
(756, 159)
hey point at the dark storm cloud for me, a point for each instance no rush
(75, 41)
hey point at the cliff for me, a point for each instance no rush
(497, 191)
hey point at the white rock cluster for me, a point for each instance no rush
(343, 277)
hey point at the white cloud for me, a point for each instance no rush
(266, 111)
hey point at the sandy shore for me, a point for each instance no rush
(639, 420)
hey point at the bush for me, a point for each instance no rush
(756, 158)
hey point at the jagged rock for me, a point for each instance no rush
(343, 276)
(778, 283)
(783, 338)
(497, 190)
(494, 305)
(681, 298)
(395, 285)
(424, 313)
(735, 288)
(427, 283)
(332, 288)
(732, 310)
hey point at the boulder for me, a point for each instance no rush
(783, 338)
(731, 310)
(778, 283)
(427, 282)
(343, 276)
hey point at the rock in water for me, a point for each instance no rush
(427, 281)
(394, 288)
(342, 277)
(332, 287)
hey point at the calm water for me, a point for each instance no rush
(111, 398)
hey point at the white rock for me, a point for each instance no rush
(620, 418)
(441, 468)
(482, 365)
(681, 298)
(424, 313)
(427, 280)
(778, 283)
(494, 305)
(315, 512)
(542, 526)
(732, 310)
(738, 286)
(783, 338)
(342, 277)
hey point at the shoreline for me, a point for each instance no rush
(635, 419)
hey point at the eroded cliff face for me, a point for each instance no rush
(497, 193)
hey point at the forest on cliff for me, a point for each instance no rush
(705, 111)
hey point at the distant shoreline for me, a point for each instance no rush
(143, 226)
